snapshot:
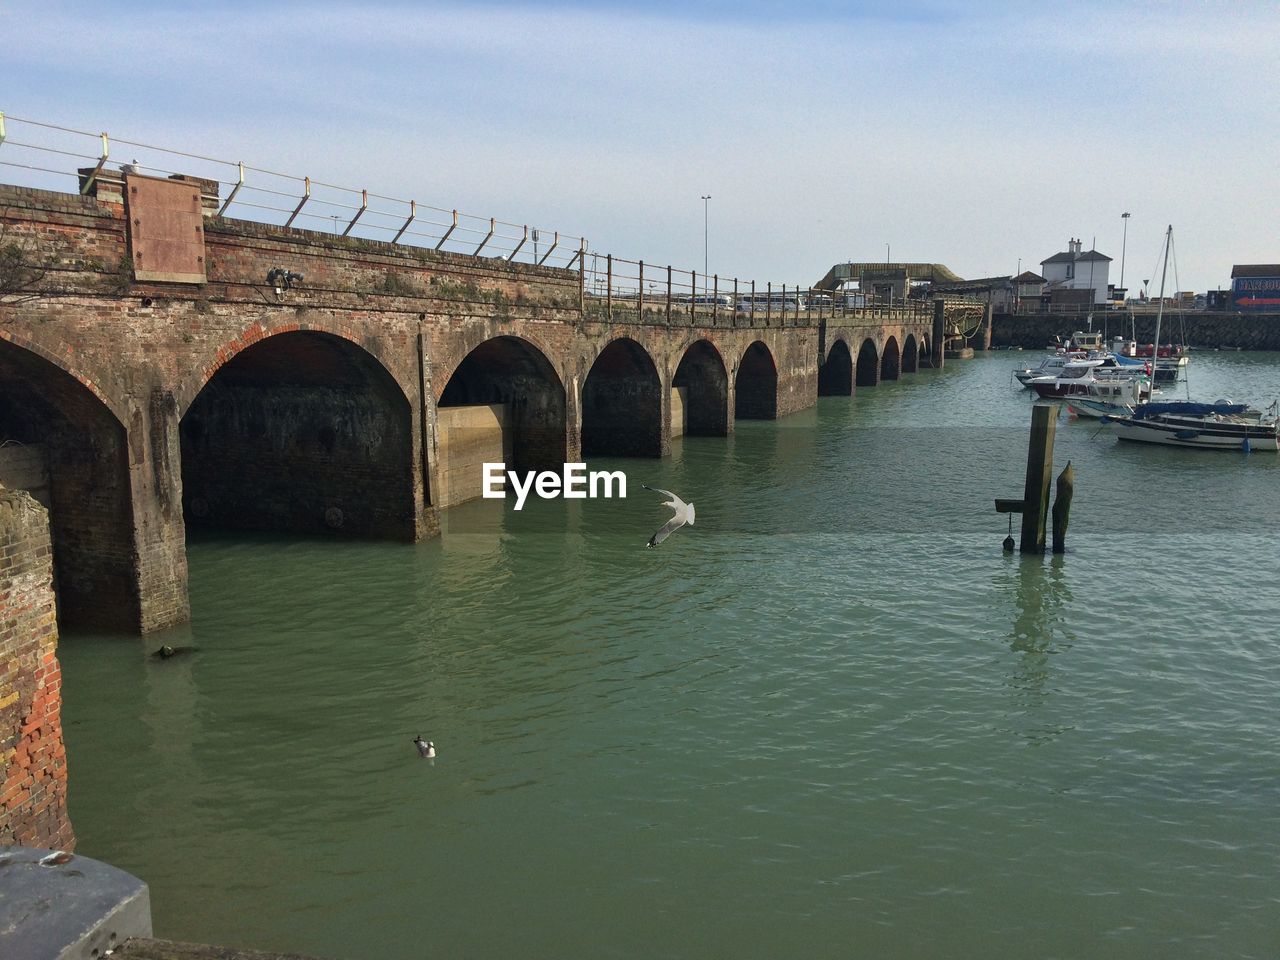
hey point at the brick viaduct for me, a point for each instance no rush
(140, 396)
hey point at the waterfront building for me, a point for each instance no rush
(1073, 270)
(1256, 286)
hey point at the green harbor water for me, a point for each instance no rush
(831, 719)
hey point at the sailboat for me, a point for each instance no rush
(1183, 423)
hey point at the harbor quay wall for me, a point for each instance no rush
(1229, 330)
(33, 782)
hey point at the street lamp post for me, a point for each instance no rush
(705, 206)
(1123, 242)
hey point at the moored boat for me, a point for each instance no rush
(1077, 378)
(1210, 426)
(1115, 398)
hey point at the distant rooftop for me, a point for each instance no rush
(1255, 270)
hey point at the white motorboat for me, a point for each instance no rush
(1054, 364)
(1078, 377)
(1115, 397)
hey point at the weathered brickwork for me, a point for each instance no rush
(312, 408)
(33, 788)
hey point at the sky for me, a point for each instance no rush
(979, 135)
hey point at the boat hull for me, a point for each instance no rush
(1204, 435)
(1096, 409)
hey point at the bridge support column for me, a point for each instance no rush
(666, 413)
(983, 340)
(159, 533)
(939, 333)
(573, 419)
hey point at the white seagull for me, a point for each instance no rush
(426, 748)
(684, 514)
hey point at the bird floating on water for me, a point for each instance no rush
(426, 748)
(684, 514)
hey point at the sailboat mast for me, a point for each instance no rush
(1155, 347)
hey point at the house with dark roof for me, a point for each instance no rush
(1075, 269)
(1256, 286)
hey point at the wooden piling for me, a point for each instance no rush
(1062, 507)
(1035, 497)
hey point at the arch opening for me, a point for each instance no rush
(622, 403)
(756, 385)
(911, 355)
(701, 383)
(303, 432)
(868, 370)
(891, 361)
(61, 444)
(835, 376)
(503, 403)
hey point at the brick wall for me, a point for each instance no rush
(33, 788)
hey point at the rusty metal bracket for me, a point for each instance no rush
(301, 203)
(234, 190)
(88, 183)
(413, 212)
(554, 243)
(493, 225)
(520, 244)
(449, 231)
(364, 205)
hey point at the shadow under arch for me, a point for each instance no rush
(910, 355)
(62, 443)
(622, 403)
(891, 360)
(868, 369)
(756, 385)
(705, 379)
(835, 376)
(300, 432)
(514, 372)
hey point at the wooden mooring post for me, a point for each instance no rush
(1034, 505)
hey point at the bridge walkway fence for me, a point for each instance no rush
(46, 155)
(616, 288)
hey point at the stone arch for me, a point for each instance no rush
(703, 382)
(756, 384)
(835, 376)
(300, 431)
(891, 360)
(61, 441)
(910, 355)
(868, 369)
(503, 402)
(622, 403)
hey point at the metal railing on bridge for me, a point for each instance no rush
(40, 152)
(45, 154)
(665, 294)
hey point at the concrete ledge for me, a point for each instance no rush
(143, 949)
(59, 906)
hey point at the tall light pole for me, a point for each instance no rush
(705, 207)
(1123, 241)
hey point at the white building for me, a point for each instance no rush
(1074, 269)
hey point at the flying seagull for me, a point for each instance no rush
(684, 514)
(426, 748)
